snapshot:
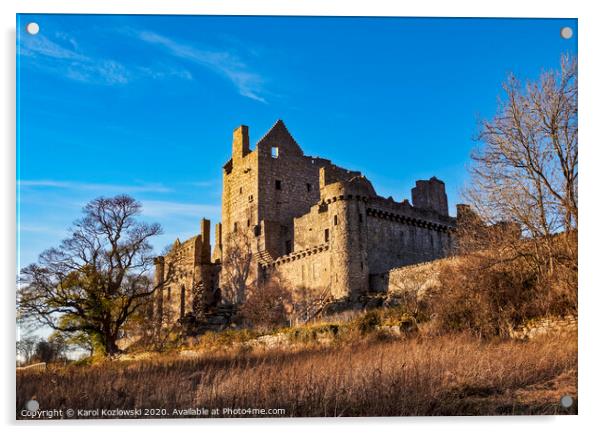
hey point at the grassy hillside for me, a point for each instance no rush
(373, 375)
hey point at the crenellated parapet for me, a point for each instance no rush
(295, 256)
(410, 220)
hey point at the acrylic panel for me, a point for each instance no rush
(261, 216)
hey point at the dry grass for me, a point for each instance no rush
(448, 375)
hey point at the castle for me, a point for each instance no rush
(316, 224)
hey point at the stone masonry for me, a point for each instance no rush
(317, 225)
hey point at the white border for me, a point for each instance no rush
(590, 34)
(517, 8)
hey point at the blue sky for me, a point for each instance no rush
(146, 105)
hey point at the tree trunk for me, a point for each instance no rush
(110, 343)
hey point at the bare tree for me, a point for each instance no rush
(26, 349)
(309, 303)
(236, 267)
(97, 278)
(526, 170)
(267, 304)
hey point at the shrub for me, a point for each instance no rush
(309, 334)
(266, 307)
(489, 293)
(368, 322)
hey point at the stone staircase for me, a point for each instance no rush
(263, 257)
(215, 319)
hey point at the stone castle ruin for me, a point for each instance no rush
(311, 222)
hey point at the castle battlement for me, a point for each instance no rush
(316, 224)
(298, 255)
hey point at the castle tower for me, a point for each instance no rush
(430, 195)
(346, 233)
(347, 243)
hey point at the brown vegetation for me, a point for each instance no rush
(266, 305)
(501, 279)
(450, 375)
(492, 291)
(519, 245)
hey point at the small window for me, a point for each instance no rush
(308, 187)
(251, 198)
(326, 235)
(336, 220)
(361, 218)
(278, 184)
(288, 247)
(235, 226)
(248, 223)
(240, 190)
(257, 230)
(274, 152)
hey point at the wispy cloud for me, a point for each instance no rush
(248, 83)
(40, 229)
(40, 45)
(61, 54)
(67, 60)
(85, 186)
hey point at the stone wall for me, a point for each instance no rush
(179, 273)
(174, 298)
(402, 234)
(545, 326)
(396, 242)
(420, 278)
(310, 229)
(310, 268)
